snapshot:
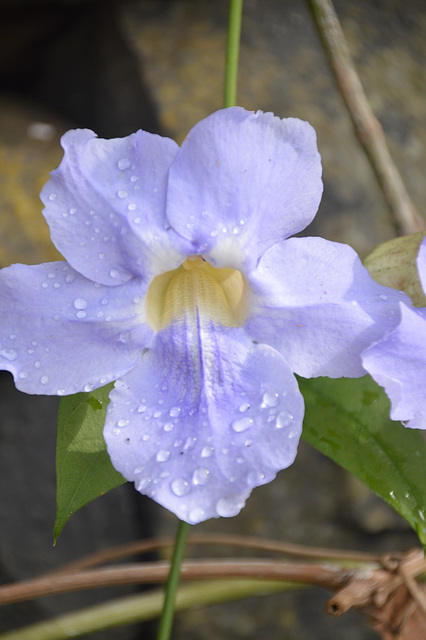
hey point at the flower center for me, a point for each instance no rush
(197, 288)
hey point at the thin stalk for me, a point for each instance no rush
(167, 614)
(232, 53)
(368, 130)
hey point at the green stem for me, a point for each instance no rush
(232, 51)
(166, 619)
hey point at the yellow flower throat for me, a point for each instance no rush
(197, 287)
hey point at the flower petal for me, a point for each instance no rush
(105, 204)
(61, 333)
(398, 363)
(204, 418)
(318, 305)
(243, 181)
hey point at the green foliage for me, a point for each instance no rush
(348, 420)
(83, 468)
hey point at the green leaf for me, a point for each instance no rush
(348, 420)
(83, 468)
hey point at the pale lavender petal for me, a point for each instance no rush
(317, 304)
(421, 264)
(204, 418)
(105, 206)
(243, 181)
(61, 333)
(398, 363)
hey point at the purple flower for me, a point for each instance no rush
(180, 283)
(398, 362)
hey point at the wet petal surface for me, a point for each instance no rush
(243, 181)
(62, 333)
(105, 206)
(204, 418)
(317, 304)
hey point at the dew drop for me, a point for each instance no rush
(270, 399)
(189, 443)
(207, 452)
(163, 455)
(88, 387)
(23, 374)
(383, 297)
(80, 303)
(81, 314)
(227, 508)
(254, 478)
(142, 484)
(169, 426)
(180, 487)
(70, 278)
(9, 354)
(124, 336)
(201, 476)
(196, 515)
(175, 412)
(122, 193)
(123, 164)
(113, 273)
(73, 210)
(101, 256)
(141, 408)
(284, 419)
(52, 196)
(51, 275)
(44, 380)
(242, 424)
(243, 407)
(37, 364)
(60, 392)
(132, 206)
(122, 422)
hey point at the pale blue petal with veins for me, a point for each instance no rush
(181, 284)
(398, 362)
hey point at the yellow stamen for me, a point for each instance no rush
(197, 287)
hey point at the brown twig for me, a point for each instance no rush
(368, 130)
(241, 542)
(156, 572)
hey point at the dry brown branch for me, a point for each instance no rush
(155, 572)
(241, 542)
(367, 128)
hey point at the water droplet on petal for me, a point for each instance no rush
(131, 206)
(270, 399)
(37, 364)
(227, 508)
(80, 303)
(60, 392)
(169, 426)
(122, 193)
(242, 424)
(88, 387)
(189, 443)
(9, 354)
(201, 475)
(113, 273)
(142, 483)
(163, 455)
(207, 452)
(52, 196)
(284, 419)
(243, 407)
(81, 314)
(44, 380)
(122, 422)
(174, 412)
(196, 515)
(123, 164)
(180, 487)
(70, 277)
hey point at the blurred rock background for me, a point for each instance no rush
(158, 65)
